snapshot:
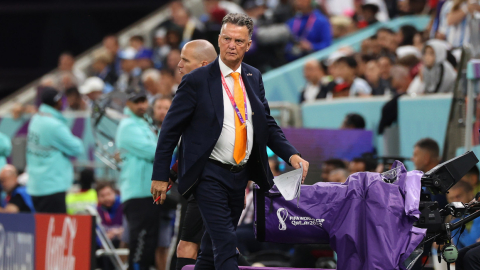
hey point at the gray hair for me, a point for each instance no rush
(239, 19)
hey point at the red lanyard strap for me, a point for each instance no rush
(232, 100)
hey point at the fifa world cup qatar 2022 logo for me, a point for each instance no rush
(282, 215)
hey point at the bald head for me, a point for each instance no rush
(195, 54)
(8, 178)
(400, 78)
(313, 71)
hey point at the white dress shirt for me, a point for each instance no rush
(311, 92)
(223, 150)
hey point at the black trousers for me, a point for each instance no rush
(220, 196)
(143, 219)
(469, 258)
(54, 203)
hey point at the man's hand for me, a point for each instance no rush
(305, 45)
(295, 161)
(159, 189)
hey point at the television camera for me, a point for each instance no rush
(438, 181)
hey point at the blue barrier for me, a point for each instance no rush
(284, 83)
(418, 117)
(421, 117)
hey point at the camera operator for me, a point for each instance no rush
(469, 256)
(17, 199)
(463, 192)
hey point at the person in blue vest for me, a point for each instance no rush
(310, 31)
(17, 200)
(5, 149)
(136, 142)
(50, 147)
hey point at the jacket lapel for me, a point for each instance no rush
(257, 106)
(215, 88)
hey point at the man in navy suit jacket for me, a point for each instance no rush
(205, 116)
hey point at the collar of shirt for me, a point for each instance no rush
(226, 70)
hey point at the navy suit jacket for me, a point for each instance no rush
(196, 114)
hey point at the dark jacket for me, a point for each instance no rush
(196, 115)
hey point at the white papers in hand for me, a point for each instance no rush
(289, 183)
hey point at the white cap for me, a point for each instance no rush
(408, 50)
(161, 33)
(128, 54)
(91, 84)
(334, 57)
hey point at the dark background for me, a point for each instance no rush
(33, 33)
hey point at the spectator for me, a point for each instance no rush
(341, 26)
(362, 164)
(310, 29)
(438, 74)
(385, 63)
(110, 43)
(463, 192)
(187, 26)
(338, 176)
(160, 108)
(228, 6)
(405, 35)
(314, 75)
(370, 46)
(472, 177)
(418, 41)
(338, 8)
(161, 48)
(173, 58)
(66, 80)
(350, 85)
(410, 60)
(5, 149)
(151, 81)
(102, 66)
(168, 82)
(400, 82)
(74, 100)
(50, 147)
(386, 39)
(353, 121)
(110, 211)
(329, 165)
(190, 28)
(173, 38)
(66, 62)
(78, 202)
(130, 74)
(136, 143)
(372, 76)
(137, 42)
(144, 59)
(454, 21)
(369, 12)
(17, 200)
(93, 89)
(362, 63)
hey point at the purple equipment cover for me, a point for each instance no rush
(368, 222)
